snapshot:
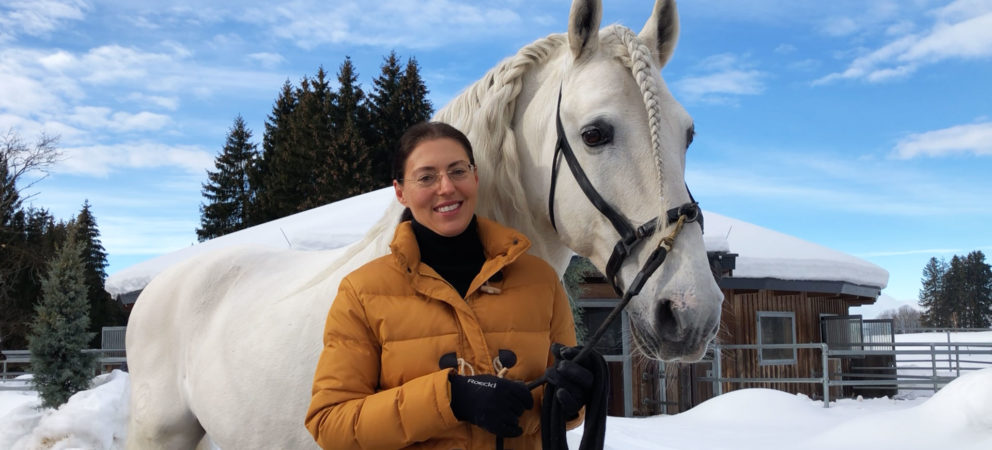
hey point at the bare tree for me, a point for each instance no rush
(21, 159)
(21, 167)
(904, 318)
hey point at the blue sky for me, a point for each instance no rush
(864, 126)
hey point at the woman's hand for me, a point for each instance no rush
(494, 404)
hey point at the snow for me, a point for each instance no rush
(323, 228)
(762, 253)
(958, 417)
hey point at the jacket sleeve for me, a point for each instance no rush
(346, 408)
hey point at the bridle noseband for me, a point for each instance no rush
(630, 236)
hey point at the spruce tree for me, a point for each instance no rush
(229, 190)
(314, 141)
(935, 312)
(348, 169)
(270, 196)
(978, 277)
(387, 119)
(59, 332)
(414, 105)
(104, 310)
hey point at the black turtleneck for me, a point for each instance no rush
(458, 259)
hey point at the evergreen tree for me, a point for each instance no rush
(935, 312)
(58, 334)
(270, 197)
(229, 190)
(387, 120)
(314, 141)
(348, 169)
(414, 105)
(977, 308)
(104, 310)
(578, 270)
(10, 217)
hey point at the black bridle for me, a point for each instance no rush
(630, 237)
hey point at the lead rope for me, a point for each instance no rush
(594, 431)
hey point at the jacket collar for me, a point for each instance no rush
(502, 246)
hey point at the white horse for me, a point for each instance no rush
(226, 345)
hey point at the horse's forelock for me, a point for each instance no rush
(636, 55)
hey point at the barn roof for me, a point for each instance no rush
(764, 256)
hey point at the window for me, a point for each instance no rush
(594, 313)
(776, 328)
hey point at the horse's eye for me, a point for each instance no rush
(595, 136)
(689, 135)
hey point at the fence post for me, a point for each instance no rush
(957, 359)
(933, 366)
(825, 375)
(718, 368)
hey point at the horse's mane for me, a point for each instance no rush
(484, 112)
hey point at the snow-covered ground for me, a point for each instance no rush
(959, 416)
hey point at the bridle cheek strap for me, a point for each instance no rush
(630, 236)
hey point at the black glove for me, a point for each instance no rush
(493, 403)
(573, 379)
(572, 384)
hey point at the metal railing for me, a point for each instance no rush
(22, 360)
(942, 362)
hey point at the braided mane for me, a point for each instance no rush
(484, 112)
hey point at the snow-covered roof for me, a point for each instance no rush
(762, 253)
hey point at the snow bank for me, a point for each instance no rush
(92, 419)
(763, 253)
(958, 417)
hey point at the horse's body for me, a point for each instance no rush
(226, 344)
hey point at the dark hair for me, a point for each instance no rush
(426, 131)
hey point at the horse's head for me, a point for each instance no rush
(629, 136)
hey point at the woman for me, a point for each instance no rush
(430, 346)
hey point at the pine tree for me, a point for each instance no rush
(58, 334)
(978, 291)
(314, 139)
(934, 312)
(104, 310)
(348, 169)
(414, 105)
(229, 191)
(269, 195)
(387, 119)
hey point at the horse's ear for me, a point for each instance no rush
(583, 26)
(661, 33)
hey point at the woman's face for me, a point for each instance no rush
(439, 202)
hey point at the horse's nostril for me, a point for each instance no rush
(666, 322)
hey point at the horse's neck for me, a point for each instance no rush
(510, 198)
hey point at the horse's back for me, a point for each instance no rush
(222, 332)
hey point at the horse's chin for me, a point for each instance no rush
(667, 346)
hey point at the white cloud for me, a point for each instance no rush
(170, 103)
(37, 17)
(724, 77)
(963, 30)
(975, 139)
(101, 160)
(397, 23)
(267, 60)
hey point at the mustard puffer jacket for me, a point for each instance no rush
(379, 382)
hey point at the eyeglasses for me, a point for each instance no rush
(428, 178)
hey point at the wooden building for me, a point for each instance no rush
(777, 289)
